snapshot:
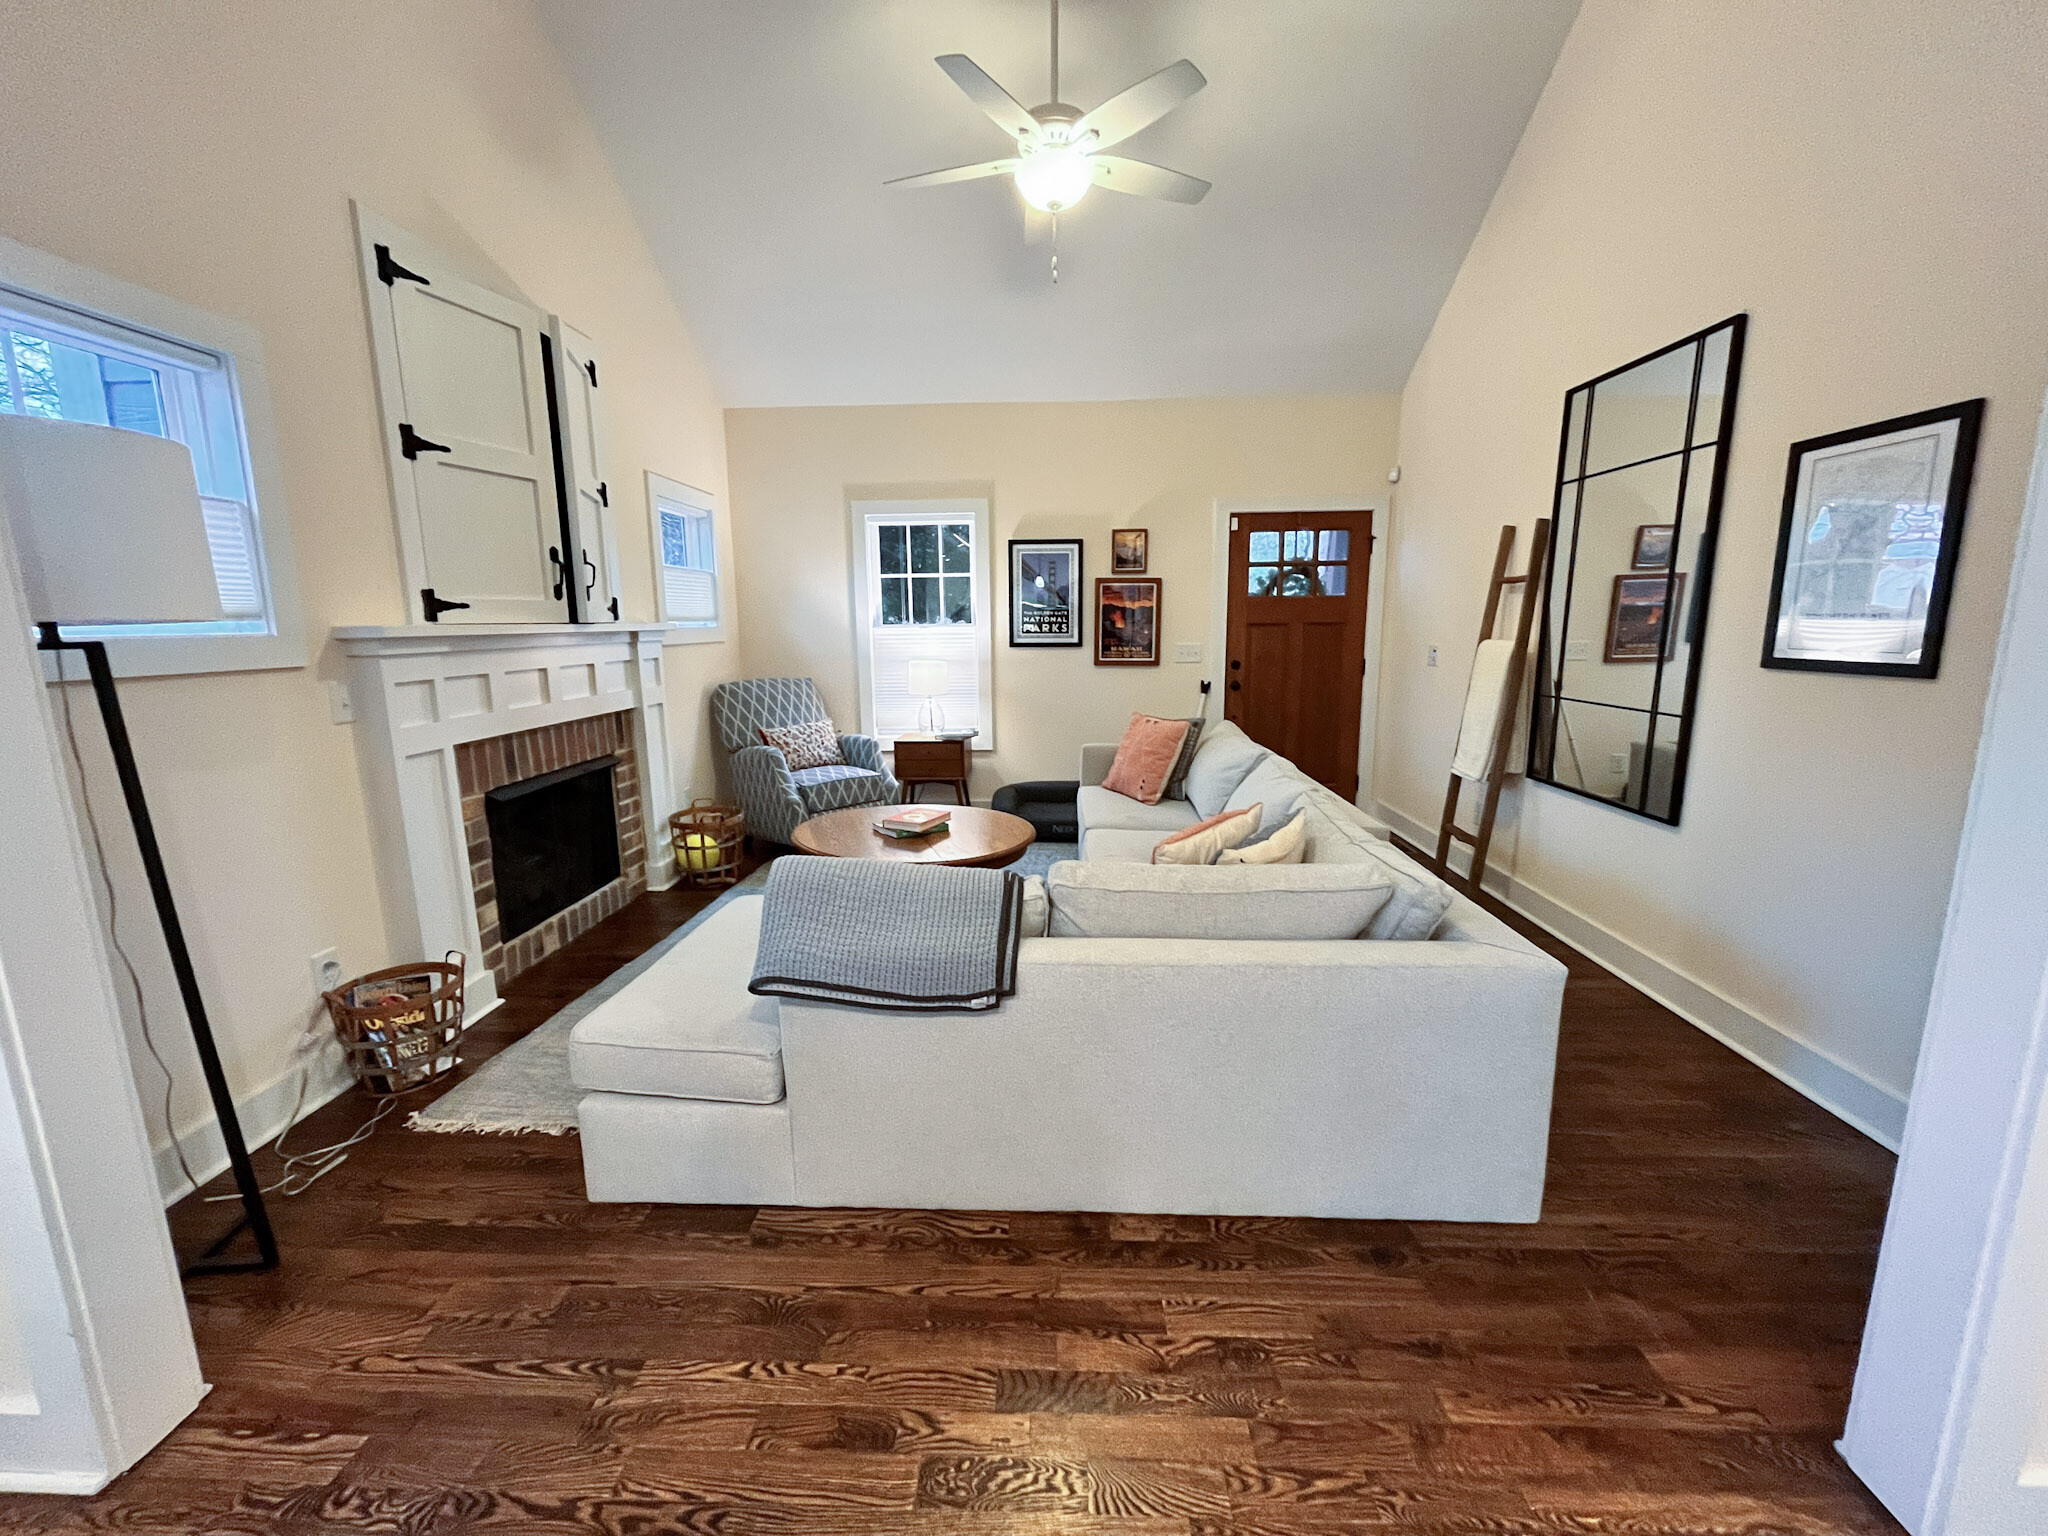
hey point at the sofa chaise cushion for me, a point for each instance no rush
(1207, 901)
(687, 1027)
(1119, 845)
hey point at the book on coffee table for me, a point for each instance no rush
(914, 821)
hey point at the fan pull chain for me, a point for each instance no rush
(1055, 250)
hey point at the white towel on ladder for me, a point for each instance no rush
(1485, 698)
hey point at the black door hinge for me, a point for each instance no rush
(412, 445)
(615, 610)
(389, 271)
(590, 367)
(436, 606)
(604, 493)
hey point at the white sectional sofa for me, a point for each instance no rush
(1401, 1076)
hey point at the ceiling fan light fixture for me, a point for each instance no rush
(1054, 177)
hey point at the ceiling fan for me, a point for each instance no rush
(1059, 147)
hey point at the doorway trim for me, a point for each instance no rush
(1228, 507)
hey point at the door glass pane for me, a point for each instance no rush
(924, 595)
(1301, 544)
(924, 548)
(1335, 544)
(959, 599)
(958, 546)
(1264, 577)
(1297, 581)
(895, 599)
(1333, 577)
(1265, 546)
(895, 550)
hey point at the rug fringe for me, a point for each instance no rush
(426, 1120)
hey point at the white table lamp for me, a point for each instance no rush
(108, 524)
(927, 678)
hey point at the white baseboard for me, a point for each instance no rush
(1877, 1111)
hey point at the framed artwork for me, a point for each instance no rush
(1045, 592)
(1127, 550)
(1636, 618)
(1126, 622)
(1654, 542)
(1867, 545)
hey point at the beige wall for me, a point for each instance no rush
(1051, 471)
(208, 151)
(1870, 182)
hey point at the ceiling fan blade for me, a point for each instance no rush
(1142, 105)
(981, 89)
(1142, 179)
(973, 172)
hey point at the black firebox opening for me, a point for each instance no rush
(554, 840)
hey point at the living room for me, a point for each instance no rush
(1798, 937)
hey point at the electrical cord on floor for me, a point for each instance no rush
(301, 1169)
(99, 852)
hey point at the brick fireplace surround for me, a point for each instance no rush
(482, 766)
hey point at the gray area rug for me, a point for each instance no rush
(525, 1090)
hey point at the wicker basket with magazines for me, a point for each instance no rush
(400, 1026)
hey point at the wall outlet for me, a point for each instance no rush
(340, 706)
(1578, 650)
(326, 967)
(1432, 656)
(1185, 651)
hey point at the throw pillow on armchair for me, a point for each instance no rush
(812, 744)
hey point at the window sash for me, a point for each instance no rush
(892, 708)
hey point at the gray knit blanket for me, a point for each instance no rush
(877, 934)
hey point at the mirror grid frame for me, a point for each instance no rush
(1571, 477)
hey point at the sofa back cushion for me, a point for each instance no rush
(1219, 765)
(1418, 900)
(1145, 758)
(1276, 784)
(1228, 901)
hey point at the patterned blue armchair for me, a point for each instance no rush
(773, 796)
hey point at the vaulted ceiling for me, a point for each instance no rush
(1354, 146)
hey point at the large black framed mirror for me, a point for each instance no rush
(1640, 467)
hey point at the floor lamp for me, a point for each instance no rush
(110, 530)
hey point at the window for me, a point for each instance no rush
(924, 596)
(77, 345)
(1301, 562)
(686, 559)
(74, 367)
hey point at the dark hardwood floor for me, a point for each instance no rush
(457, 1341)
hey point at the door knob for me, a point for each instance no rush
(1235, 685)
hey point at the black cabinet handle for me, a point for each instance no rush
(590, 586)
(555, 558)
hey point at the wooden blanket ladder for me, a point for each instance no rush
(1531, 583)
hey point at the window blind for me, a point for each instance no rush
(894, 646)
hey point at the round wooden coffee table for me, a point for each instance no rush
(975, 837)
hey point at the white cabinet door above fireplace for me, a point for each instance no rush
(461, 382)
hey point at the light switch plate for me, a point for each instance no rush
(1187, 651)
(340, 706)
(1578, 650)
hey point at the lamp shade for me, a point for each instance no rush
(927, 676)
(107, 524)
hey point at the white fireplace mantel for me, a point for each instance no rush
(421, 690)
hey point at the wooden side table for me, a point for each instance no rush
(933, 762)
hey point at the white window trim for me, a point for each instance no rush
(974, 509)
(67, 282)
(721, 543)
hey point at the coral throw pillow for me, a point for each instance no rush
(1145, 758)
(1205, 841)
(813, 744)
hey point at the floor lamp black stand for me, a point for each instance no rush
(255, 1218)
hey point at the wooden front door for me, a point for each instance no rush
(1296, 666)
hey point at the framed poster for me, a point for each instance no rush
(1045, 592)
(1654, 543)
(1636, 617)
(1867, 545)
(1128, 550)
(1127, 622)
